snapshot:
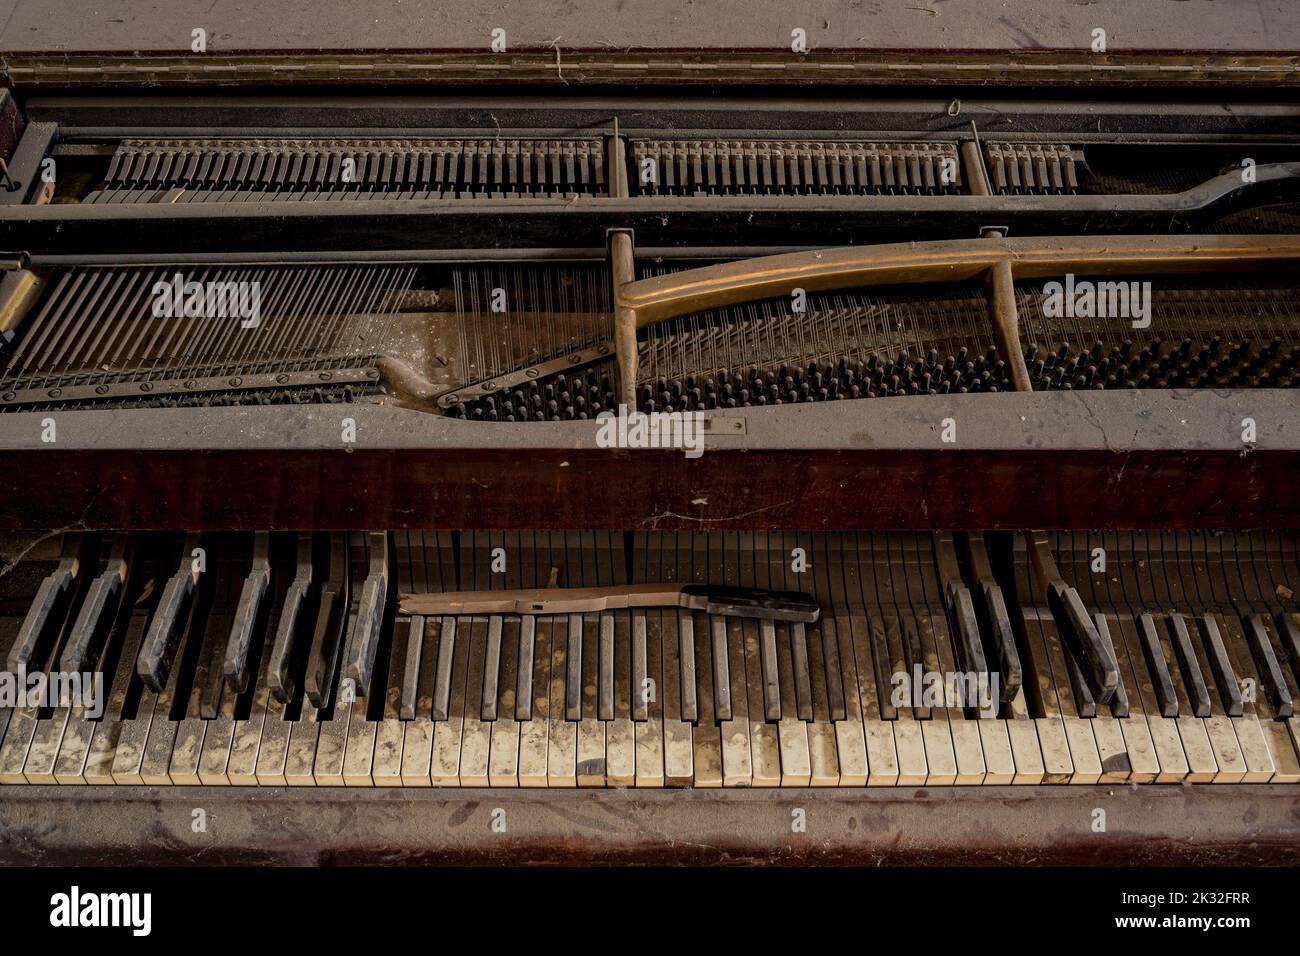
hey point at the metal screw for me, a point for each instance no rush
(532, 373)
(146, 386)
(236, 382)
(325, 376)
(282, 378)
(9, 396)
(101, 389)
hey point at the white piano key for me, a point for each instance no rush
(476, 734)
(562, 733)
(792, 733)
(1144, 766)
(967, 747)
(534, 733)
(217, 741)
(620, 733)
(737, 762)
(390, 731)
(679, 756)
(44, 751)
(1165, 740)
(132, 744)
(241, 769)
(503, 765)
(1026, 749)
(331, 745)
(300, 751)
(273, 748)
(417, 740)
(1058, 767)
(999, 760)
(1202, 766)
(359, 746)
(591, 765)
(913, 768)
(878, 734)
(850, 741)
(706, 739)
(1084, 754)
(647, 690)
(70, 767)
(17, 743)
(823, 755)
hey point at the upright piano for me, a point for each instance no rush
(987, 339)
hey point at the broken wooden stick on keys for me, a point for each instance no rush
(727, 601)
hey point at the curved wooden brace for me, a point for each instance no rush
(998, 261)
(709, 287)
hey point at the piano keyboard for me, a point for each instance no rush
(282, 659)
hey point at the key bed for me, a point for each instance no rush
(1194, 636)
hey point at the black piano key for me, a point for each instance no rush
(1193, 680)
(524, 674)
(882, 666)
(508, 682)
(1157, 666)
(721, 669)
(1288, 629)
(802, 676)
(442, 681)
(573, 671)
(1096, 661)
(280, 677)
(834, 673)
(213, 687)
(428, 675)
(911, 645)
(118, 686)
(235, 665)
(97, 612)
(492, 669)
(591, 670)
(640, 664)
(1084, 703)
(771, 671)
(279, 674)
(1270, 671)
(159, 647)
(605, 681)
(686, 658)
(1010, 671)
(360, 663)
(36, 624)
(322, 663)
(331, 624)
(98, 608)
(475, 631)
(1221, 664)
(411, 668)
(1118, 703)
(969, 644)
(51, 601)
